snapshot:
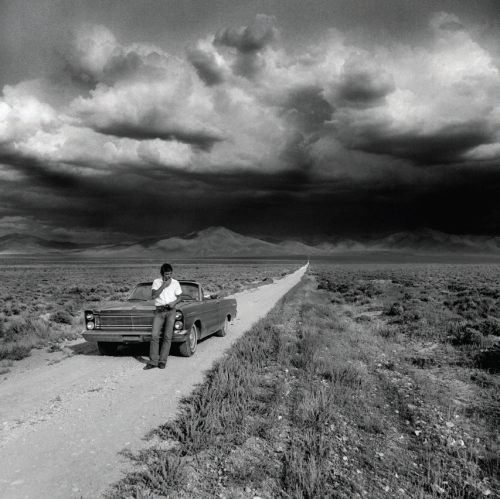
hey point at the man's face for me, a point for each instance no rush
(167, 275)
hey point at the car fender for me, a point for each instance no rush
(192, 317)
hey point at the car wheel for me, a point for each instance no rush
(223, 330)
(107, 348)
(188, 348)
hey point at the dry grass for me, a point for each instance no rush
(5, 366)
(315, 403)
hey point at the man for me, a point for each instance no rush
(166, 294)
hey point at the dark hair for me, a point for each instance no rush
(166, 267)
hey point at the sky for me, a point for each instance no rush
(129, 119)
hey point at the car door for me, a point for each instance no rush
(211, 315)
(227, 307)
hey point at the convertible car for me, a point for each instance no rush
(198, 315)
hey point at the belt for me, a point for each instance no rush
(163, 308)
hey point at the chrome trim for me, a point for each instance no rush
(121, 327)
(126, 321)
(121, 337)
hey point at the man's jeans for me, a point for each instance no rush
(162, 321)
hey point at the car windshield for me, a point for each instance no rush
(142, 292)
(189, 291)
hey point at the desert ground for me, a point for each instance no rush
(64, 421)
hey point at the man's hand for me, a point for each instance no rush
(157, 292)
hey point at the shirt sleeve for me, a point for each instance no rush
(156, 284)
(178, 289)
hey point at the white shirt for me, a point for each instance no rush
(169, 294)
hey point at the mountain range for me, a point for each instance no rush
(222, 242)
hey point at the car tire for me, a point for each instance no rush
(188, 348)
(106, 348)
(223, 330)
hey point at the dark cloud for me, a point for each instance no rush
(206, 66)
(447, 145)
(249, 39)
(328, 136)
(150, 128)
(307, 109)
(362, 83)
(293, 203)
(138, 205)
(249, 42)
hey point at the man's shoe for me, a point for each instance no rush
(162, 365)
(148, 366)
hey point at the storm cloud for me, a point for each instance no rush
(247, 130)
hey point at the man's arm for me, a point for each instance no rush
(155, 293)
(178, 292)
(175, 302)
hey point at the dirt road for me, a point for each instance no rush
(63, 425)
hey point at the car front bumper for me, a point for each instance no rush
(128, 336)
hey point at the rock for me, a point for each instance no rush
(396, 309)
(438, 489)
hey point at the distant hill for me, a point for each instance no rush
(433, 241)
(211, 242)
(26, 244)
(219, 242)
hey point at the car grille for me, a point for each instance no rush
(131, 322)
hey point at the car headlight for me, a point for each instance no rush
(178, 316)
(178, 325)
(90, 325)
(89, 316)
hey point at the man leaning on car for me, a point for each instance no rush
(166, 294)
